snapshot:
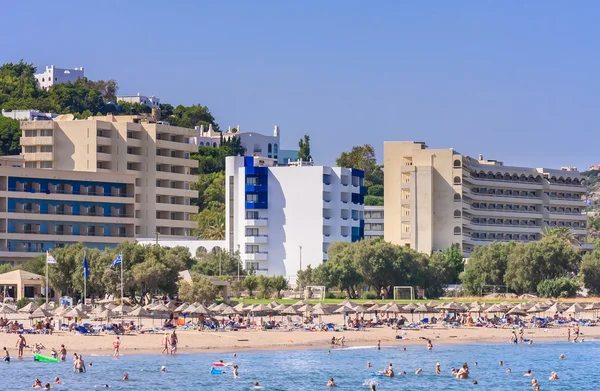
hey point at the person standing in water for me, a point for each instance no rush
(63, 353)
(235, 371)
(116, 346)
(6, 355)
(379, 345)
(165, 344)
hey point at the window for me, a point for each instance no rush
(45, 164)
(30, 133)
(457, 163)
(275, 149)
(251, 181)
(269, 148)
(251, 197)
(456, 197)
(367, 227)
(251, 231)
(457, 180)
(251, 248)
(457, 213)
(46, 132)
(457, 230)
(30, 165)
(252, 215)
(30, 149)
(46, 148)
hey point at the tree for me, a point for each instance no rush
(10, 133)
(363, 158)
(454, 256)
(265, 285)
(190, 116)
(250, 283)
(200, 290)
(531, 263)
(304, 277)
(279, 283)
(487, 266)
(565, 234)
(304, 149)
(219, 263)
(558, 287)
(590, 271)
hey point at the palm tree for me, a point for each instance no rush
(560, 233)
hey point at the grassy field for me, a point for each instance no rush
(360, 301)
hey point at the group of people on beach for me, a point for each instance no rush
(170, 340)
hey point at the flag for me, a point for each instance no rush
(117, 261)
(86, 271)
(50, 258)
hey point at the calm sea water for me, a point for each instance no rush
(310, 369)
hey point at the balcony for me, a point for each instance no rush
(256, 239)
(503, 183)
(42, 140)
(38, 156)
(259, 222)
(257, 256)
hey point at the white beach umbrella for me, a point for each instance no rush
(75, 313)
(29, 308)
(40, 313)
(181, 307)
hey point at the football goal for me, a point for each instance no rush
(314, 292)
(493, 289)
(404, 293)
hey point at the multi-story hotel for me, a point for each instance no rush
(434, 198)
(45, 209)
(156, 156)
(373, 222)
(283, 218)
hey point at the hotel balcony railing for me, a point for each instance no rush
(506, 225)
(258, 235)
(70, 213)
(505, 210)
(505, 180)
(256, 252)
(504, 195)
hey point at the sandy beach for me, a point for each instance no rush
(234, 341)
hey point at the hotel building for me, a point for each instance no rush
(156, 156)
(283, 218)
(434, 198)
(45, 209)
(374, 222)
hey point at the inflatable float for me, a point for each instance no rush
(40, 358)
(377, 374)
(222, 364)
(216, 371)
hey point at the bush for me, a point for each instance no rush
(369, 296)
(41, 301)
(22, 302)
(329, 295)
(558, 287)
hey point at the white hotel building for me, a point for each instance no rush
(283, 218)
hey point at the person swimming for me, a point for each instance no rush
(37, 383)
(501, 363)
(562, 357)
(419, 371)
(331, 383)
(429, 344)
(373, 387)
(438, 370)
(463, 373)
(235, 371)
(368, 364)
(553, 376)
(508, 370)
(163, 369)
(528, 373)
(475, 382)
(58, 381)
(256, 385)
(47, 386)
(125, 376)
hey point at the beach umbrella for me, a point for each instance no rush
(182, 307)
(46, 307)
(343, 309)
(453, 307)
(106, 314)
(171, 306)
(473, 304)
(83, 308)
(556, 308)
(99, 309)
(280, 308)
(321, 311)
(477, 308)
(6, 309)
(548, 302)
(495, 308)
(200, 310)
(40, 313)
(421, 308)
(575, 308)
(160, 308)
(189, 308)
(299, 303)
(239, 307)
(348, 303)
(60, 311)
(592, 307)
(359, 308)
(273, 304)
(410, 307)
(305, 308)
(536, 308)
(441, 306)
(289, 311)
(29, 308)
(219, 308)
(261, 308)
(122, 309)
(517, 311)
(140, 312)
(229, 311)
(75, 313)
(393, 307)
(374, 308)
(431, 304)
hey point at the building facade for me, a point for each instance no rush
(256, 144)
(45, 209)
(283, 218)
(28, 115)
(151, 101)
(374, 222)
(435, 198)
(53, 75)
(157, 156)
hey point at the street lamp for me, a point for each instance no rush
(300, 257)
(239, 261)
(156, 234)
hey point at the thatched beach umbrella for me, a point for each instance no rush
(495, 308)
(369, 303)
(280, 308)
(200, 310)
(40, 313)
(441, 306)
(189, 308)
(517, 311)
(348, 303)
(273, 304)
(290, 311)
(140, 313)
(305, 308)
(576, 308)
(122, 309)
(106, 314)
(393, 307)
(99, 309)
(29, 308)
(299, 303)
(229, 311)
(556, 308)
(536, 309)
(182, 307)
(75, 313)
(6, 309)
(239, 307)
(410, 307)
(83, 308)
(218, 308)
(359, 308)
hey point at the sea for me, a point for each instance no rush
(310, 369)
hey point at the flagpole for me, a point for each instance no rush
(84, 281)
(122, 297)
(47, 287)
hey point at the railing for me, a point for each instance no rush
(504, 195)
(256, 252)
(507, 225)
(505, 180)
(504, 210)
(253, 236)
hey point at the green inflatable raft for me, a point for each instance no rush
(40, 358)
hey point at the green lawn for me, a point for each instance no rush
(360, 301)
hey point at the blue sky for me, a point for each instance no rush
(515, 81)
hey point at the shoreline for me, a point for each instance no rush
(193, 342)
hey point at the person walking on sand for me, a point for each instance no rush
(165, 344)
(116, 346)
(576, 331)
(569, 333)
(21, 343)
(174, 341)
(63, 353)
